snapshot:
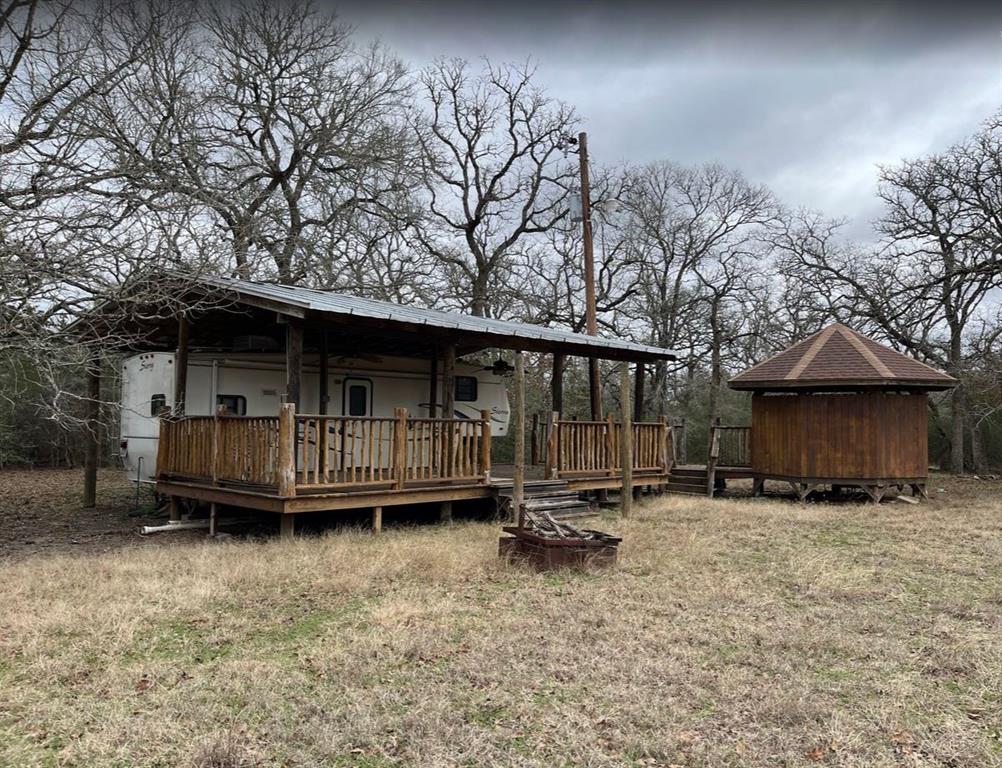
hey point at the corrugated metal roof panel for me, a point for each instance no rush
(344, 304)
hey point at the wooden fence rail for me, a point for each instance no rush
(592, 448)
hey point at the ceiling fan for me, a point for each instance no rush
(499, 367)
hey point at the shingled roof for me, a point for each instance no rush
(840, 358)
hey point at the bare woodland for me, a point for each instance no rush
(270, 142)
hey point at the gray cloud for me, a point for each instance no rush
(808, 100)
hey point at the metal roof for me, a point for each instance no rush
(502, 333)
(838, 356)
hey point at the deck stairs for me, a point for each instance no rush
(551, 496)
(687, 480)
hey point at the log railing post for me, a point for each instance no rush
(287, 450)
(711, 462)
(485, 445)
(664, 445)
(552, 445)
(610, 445)
(399, 448)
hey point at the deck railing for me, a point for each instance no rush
(291, 452)
(237, 449)
(592, 448)
(353, 451)
(729, 447)
(733, 445)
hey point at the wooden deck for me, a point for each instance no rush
(294, 463)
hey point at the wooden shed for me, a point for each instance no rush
(840, 409)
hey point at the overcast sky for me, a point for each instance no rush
(805, 100)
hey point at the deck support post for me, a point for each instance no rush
(445, 513)
(518, 475)
(293, 362)
(377, 520)
(181, 365)
(93, 417)
(287, 526)
(287, 450)
(626, 443)
(324, 389)
(758, 486)
(212, 519)
(173, 509)
(557, 383)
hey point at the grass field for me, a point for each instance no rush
(732, 633)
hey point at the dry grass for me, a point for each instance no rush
(732, 633)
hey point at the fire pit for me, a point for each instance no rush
(548, 544)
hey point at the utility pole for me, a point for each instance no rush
(591, 322)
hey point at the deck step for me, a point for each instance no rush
(548, 506)
(687, 472)
(687, 481)
(532, 494)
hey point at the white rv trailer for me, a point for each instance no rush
(253, 385)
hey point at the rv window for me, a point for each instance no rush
(466, 389)
(235, 404)
(358, 400)
(157, 404)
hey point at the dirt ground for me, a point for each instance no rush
(40, 513)
(732, 632)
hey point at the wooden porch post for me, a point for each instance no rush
(557, 383)
(518, 476)
(287, 449)
(181, 365)
(638, 393)
(449, 408)
(626, 443)
(325, 397)
(93, 418)
(433, 386)
(377, 520)
(449, 383)
(293, 362)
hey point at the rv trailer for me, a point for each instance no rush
(254, 385)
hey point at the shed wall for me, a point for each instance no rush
(852, 436)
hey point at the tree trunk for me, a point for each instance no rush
(478, 296)
(957, 432)
(978, 450)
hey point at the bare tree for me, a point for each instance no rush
(683, 220)
(494, 170)
(266, 120)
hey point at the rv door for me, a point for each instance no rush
(356, 397)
